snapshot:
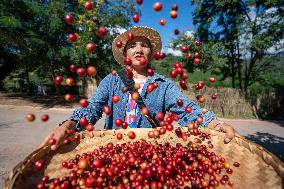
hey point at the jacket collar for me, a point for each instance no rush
(156, 77)
(150, 79)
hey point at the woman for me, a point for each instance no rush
(137, 47)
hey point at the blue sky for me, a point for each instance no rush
(151, 18)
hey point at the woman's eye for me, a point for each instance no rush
(145, 45)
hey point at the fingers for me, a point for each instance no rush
(230, 133)
(59, 137)
(238, 134)
(45, 141)
(58, 134)
(55, 146)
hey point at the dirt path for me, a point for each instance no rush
(54, 101)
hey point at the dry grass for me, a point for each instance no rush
(229, 103)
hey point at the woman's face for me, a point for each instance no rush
(138, 50)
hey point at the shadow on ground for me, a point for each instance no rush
(272, 143)
(278, 122)
(45, 101)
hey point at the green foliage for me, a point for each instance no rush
(111, 15)
(165, 66)
(33, 36)
(246, 30)
(9, 22)
(39, 78)
(212, 59)
(266, 81)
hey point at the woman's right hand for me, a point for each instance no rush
(59, 134)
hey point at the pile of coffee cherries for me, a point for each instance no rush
(146, 164)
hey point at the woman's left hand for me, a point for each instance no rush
(226, 128)
(229, 130)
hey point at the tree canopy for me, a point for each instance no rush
(34, 35)
(236, 38)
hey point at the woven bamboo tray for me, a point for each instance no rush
(259, 168)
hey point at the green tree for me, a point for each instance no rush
(208, 59)
(247, 31)
(33, 35)
(110, 14)
(114, 16)
(30, 35)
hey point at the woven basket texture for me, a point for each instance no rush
(258, 167)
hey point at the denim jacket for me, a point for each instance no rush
(163, 98)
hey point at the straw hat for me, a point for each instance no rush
(142, 31)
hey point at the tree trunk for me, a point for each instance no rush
(232, 62)
(89, 86)
(233, 74)
(253, 57)
(29, 87)
(250, 68)
(239, 66)
(8, 64)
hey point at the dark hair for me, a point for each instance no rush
(148, 41)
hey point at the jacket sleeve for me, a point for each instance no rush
(93, 112)
(172, 95)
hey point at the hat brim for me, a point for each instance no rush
(143, 31)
